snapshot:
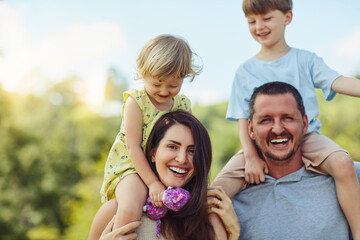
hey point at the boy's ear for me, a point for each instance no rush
(288, 17)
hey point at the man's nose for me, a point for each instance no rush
(278, 127)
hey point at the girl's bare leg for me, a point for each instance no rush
(131, 193)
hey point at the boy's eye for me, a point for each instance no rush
(156, 85)
(251, 22)
(174, 86)
(267, 19)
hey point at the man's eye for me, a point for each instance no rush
(266, 120)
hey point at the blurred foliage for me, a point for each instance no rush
(53, 150)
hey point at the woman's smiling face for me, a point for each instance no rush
(174, 156)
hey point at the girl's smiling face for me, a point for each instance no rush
(174, 156)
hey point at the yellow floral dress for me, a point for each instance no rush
(118, 164)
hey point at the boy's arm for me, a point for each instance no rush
(347, 85)
(254, 165)
(133, 134)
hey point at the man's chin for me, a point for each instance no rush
(279, 158)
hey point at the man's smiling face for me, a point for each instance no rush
(277, 127)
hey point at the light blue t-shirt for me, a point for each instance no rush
(301, 205)
(300, 68)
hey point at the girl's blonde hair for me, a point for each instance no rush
(165, 56)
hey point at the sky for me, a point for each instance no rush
(42, 42)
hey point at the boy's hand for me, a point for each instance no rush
(255, 169)
(156, 191)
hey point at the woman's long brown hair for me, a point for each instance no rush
(192, 221)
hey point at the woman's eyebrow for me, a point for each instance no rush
(173, 141)
(178, 143)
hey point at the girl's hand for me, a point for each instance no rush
(221, 204)
(156, 191)
(255, 170)
(125, 232)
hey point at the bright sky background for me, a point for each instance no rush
(54, 39)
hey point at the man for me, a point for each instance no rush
(292, 203)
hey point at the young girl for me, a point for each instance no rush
(163, 64)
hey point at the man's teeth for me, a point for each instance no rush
(178, 170)
(283, 140)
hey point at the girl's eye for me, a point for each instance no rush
(173, 86)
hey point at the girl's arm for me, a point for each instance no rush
(347, 85)
(220, 204)
(255, 167)
(133, 134)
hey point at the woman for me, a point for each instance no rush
(179, 152)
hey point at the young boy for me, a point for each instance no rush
(276, 61)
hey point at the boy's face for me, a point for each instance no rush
(269, 29)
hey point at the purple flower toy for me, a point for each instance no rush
(173, 199)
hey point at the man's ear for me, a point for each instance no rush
(305, 124)
(251, 130)
(288, 17)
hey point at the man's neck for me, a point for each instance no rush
(279, 169)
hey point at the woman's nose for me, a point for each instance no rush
(181, 157)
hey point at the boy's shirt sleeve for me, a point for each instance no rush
(238, 106)
(323, 76)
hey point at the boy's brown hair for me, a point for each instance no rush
(256, 7)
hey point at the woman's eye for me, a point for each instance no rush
(191, 150)
(172, 146)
